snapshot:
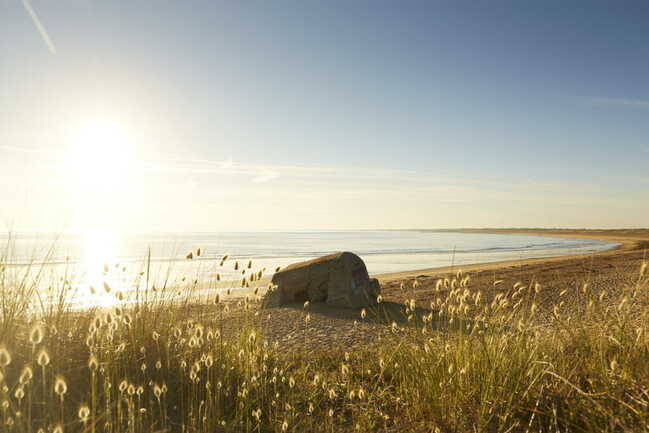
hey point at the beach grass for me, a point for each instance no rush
(515, 361)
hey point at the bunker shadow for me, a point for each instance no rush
(386, 313)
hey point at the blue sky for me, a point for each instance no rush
(294, 114)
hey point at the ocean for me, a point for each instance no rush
(118, 259)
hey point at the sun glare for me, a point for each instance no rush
(97, 261)
(99, 156)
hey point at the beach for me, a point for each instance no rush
(620, 253)
(544, 332)
(118, 259)
(629, 241)
(331, 328)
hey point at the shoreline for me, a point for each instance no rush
(632, 241)
(331, 328)
(628, 240)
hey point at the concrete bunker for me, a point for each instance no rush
(339, 279)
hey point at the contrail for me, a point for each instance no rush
(39, 26)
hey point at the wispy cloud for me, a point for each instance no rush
(39, 26)
(266, 177)
(252, 172)
(637, 103)
(227, 164)
(20, 149)
(260, 173)
(346, 179)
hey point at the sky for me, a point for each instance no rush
(296, 115)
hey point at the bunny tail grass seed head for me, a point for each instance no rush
(26, 375)
(5, 356)
(60, 386)
(84, 414)
(93, 364)
(36, 335)
(43, 358)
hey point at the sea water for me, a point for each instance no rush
(117, 259)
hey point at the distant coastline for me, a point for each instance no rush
(628, 240)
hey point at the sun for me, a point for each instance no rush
(99, 156)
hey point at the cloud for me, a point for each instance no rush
(227, 164)
(637, 103)
(266, 177)
(39, 26)
(20, 149)
(265, 172)
(243, 171)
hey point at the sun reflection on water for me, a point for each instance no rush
(98, 261)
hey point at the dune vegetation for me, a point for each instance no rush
(471, 360)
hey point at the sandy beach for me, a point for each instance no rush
(329, 328)
(629, 240)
